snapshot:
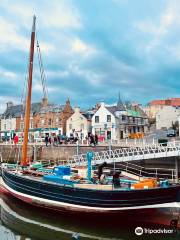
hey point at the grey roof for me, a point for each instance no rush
(88, 115)
(113, 109)
(52, 108)
(17, 110)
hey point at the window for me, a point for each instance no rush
(57, 119)
(21, 125)
(82, 126)
(42, 121)
(70, 126)
(96, 119)
(4, 126)
(123, 118)
(49, 121)
(108, 118)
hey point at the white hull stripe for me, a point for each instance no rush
(73, 206)
(7, 209)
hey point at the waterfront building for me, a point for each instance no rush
(119, 121)
(45, 118)
(79, 124)
(51, 119)
(154, 106)
(167, 117)
(12, 119)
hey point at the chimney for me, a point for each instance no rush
(76, 109)
(44, 102)
(9, 104)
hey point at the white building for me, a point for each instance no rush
(78, 125)
(104, 123)
(166, 117)
(8, 126)
(118, 121)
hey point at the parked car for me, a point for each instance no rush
(171, 133)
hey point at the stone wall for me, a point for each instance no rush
(12, 153)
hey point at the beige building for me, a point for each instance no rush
(166, 117)
(78, 125)
(154, 106)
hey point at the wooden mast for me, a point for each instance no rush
(28, 98)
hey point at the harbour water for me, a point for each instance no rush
(21, 221)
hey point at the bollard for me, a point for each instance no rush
(89, 157)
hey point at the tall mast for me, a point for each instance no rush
(28, 98)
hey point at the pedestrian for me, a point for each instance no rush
(15, 139)
(92, 142)
(55, 140)
(50, 141)
(96, 139)
(59, 139)
(46, 140)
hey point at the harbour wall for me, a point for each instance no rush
(11, 154)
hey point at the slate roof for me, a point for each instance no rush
(16, 110)
(52, 108)
(134, 111)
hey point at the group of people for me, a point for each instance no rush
(54, 139)
(92, 139)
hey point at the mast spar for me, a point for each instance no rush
(28, 98)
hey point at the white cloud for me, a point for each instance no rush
(51, 14)
(5, 99)
(10, 37)
(56, 74)
(8, 74)
(94, 78)
(158, 30)
(80, 47)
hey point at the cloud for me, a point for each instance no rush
(88, 55)
(159, 29)
(50, 14)
(80, 47)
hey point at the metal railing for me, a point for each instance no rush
(142, 172)
(130, 154)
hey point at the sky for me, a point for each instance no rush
(92, 50)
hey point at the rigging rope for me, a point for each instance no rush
(41, 67)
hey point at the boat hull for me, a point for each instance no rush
(66, 198)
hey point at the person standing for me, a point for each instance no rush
(55, 140)
(96, 139)
(46, 140)
(15, 139)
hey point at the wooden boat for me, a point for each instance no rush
(20, 218)
(81, 197)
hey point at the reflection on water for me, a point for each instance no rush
(22, 222)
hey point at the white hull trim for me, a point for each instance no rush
(55, 204)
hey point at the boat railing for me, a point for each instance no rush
(142, 172)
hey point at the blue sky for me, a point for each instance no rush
(92, 50)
